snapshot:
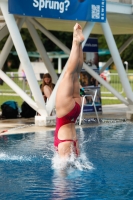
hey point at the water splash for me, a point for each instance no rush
(81, 163)
(6, 157)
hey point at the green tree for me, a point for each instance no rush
(120, 40)
(66, 38)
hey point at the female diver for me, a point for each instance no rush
(68, 100)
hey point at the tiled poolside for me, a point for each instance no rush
(23, 125)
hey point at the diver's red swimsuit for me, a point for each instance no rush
(67, 119)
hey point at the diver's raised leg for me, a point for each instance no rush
(75, 56)
(66, 94)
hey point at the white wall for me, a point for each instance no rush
(38, 68)
(121, 1)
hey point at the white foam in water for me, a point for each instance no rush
(81, 163)
(6, 157)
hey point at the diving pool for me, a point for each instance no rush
(29, 169)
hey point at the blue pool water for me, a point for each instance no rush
(30, 170)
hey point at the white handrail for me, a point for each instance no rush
(93, 104)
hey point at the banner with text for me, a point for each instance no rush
(82, 10)
(90, 84)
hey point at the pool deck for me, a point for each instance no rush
(23, 125)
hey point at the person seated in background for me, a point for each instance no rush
(47, 86)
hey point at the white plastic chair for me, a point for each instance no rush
(93, 104)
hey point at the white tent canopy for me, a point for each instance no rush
(38, 68)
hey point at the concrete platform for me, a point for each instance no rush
(23, 125)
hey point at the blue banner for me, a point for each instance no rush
(81, 10)
(89, 84)
(91, 45)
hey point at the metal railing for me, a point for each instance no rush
(19, 80)
(7, 93)
(116, 83)
(93, 97)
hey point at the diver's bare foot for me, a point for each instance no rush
(77, 33)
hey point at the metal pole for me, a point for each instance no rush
(19, 45)
(107, 85)
(42, 51)
(117, 60)
(8, 45)
(87, 29)
(122, 48)
(59, 65)
(3, 32)
(50, 36)
(126, 63)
